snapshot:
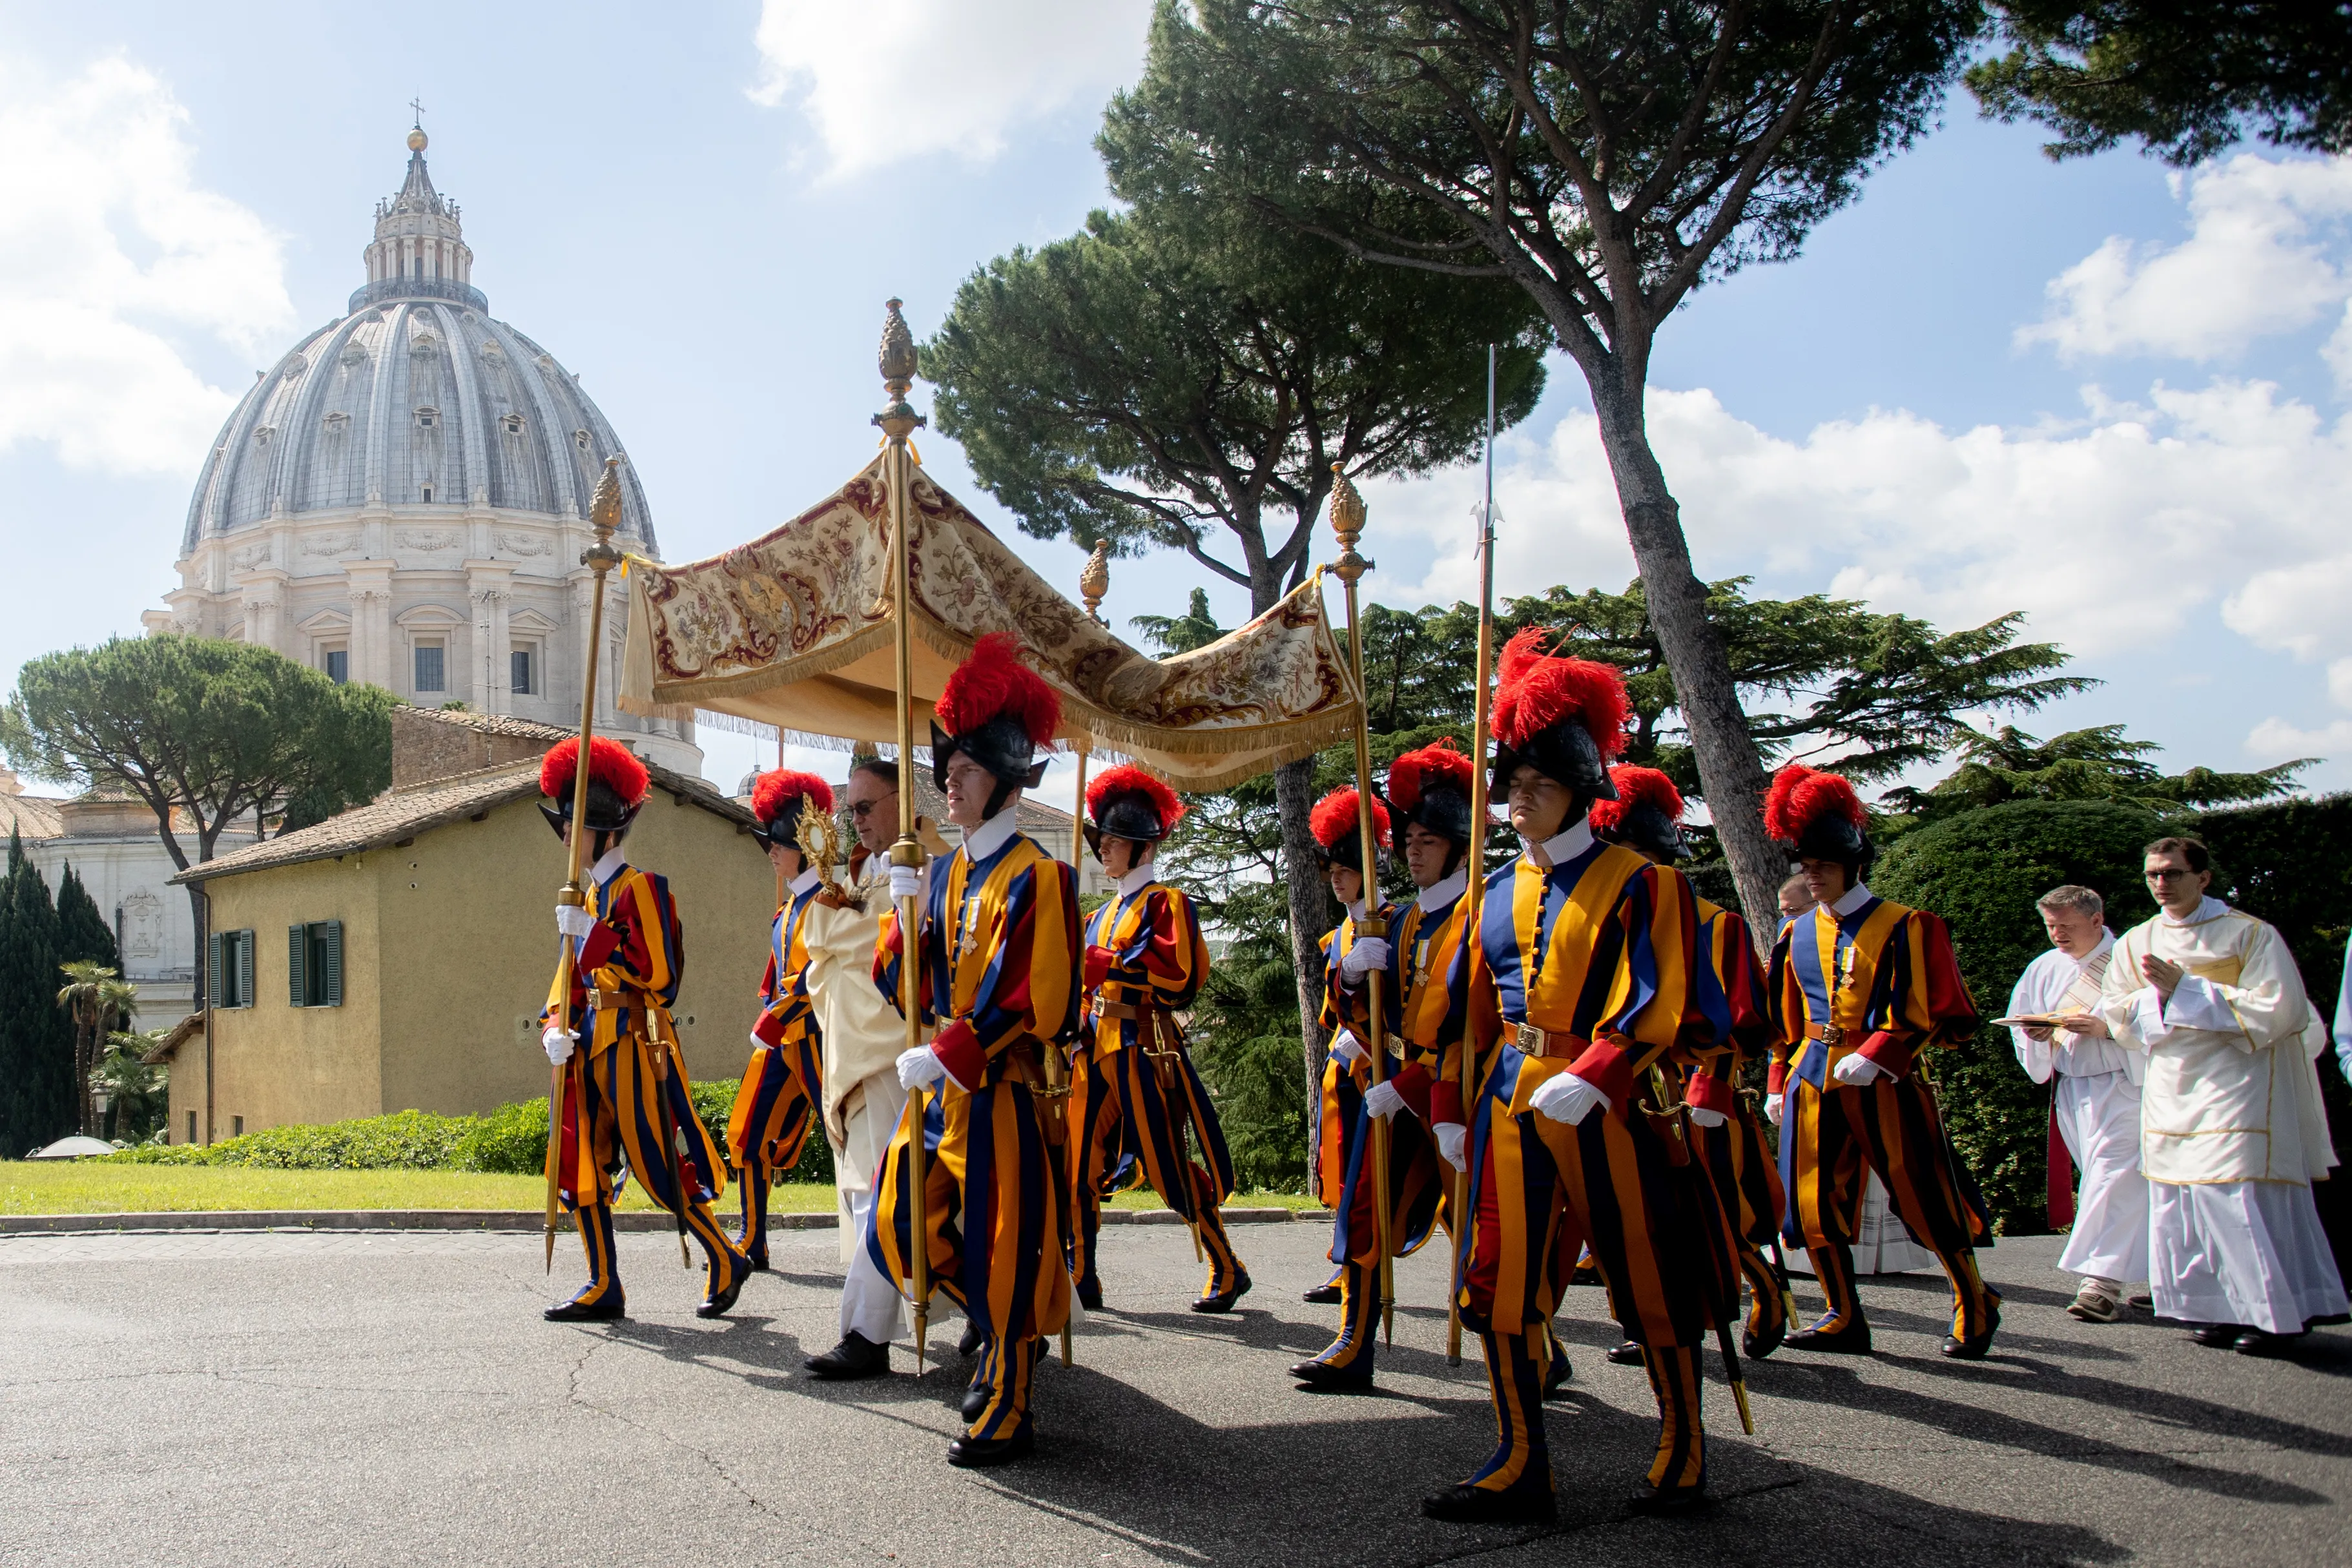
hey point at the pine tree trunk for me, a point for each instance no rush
(1310, 917)
(1729, 766)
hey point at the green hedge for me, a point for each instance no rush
(511, 1140)
(1982, 871)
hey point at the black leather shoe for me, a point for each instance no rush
(979, 1453)
(2255, 1341)
(972, 1340)
(1852, 1340)
(1466, 1504)
(1321, 1296)
(757, 1256)
(1223, 1301)
(1756, 1345)
(1649, 1499)
(1627, 1354)
(1090, 1297)
(1974, 1347)
(716, 1304)
(856, 1356)
(609, 1308)
(2221, 1336)
(1556, 1375)
(1323, 1377)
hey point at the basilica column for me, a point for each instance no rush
(489, 588)
(371, 590)
(264, 593)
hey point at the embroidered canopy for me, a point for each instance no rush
(793, 629)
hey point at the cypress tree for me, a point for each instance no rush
(82, 928)
(36, 1098)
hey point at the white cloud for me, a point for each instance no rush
(890, 79)
(2276, 740)
(2264, 255)
(109, 248)
(2111, 535)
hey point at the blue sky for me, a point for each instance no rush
(2110, 397)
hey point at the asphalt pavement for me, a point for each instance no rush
(394, 1398)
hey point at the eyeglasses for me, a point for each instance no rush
(862, 809)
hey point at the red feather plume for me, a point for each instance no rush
(992, 681)
(1129, 779)
(609, 764)
(1334, 818)
(1416, 772)
(1636, 786)
(1533, 690)
(1801, 796)
(780, 784)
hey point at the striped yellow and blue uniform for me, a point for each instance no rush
(1424, 1045)
(1339, 1106)
(999, 953)
(1737, 1155)
(625, 1091)
(1588, 967)
(1133, 1090)
(1881, 982)
(783, 1083)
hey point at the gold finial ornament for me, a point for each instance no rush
(1347, 522)
(416, 140)
(604, 516)
(896, 363)
(1094, 580)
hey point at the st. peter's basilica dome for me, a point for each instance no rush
(400, 499)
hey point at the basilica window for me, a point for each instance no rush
(427, 417)
(431, 667)
(513, 423)
(427, 494)
(337, 663)
(523, 669)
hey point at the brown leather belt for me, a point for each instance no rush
(1539, 1042)
(1833, 1035)
(1117, 1010)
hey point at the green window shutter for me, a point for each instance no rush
(333, 995)
(245, 969)
(298, 938)
(215, 971)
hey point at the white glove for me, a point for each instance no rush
(573, 920)
(1346, 1048)
(1859, 1071)
(919, 1069)
(758, 1044)
(1367, 952)
(1702, 1116)
(1773, 1108)
(559, 1043)
(1382, 1100)
(1454, 1143)
(905, 882)
(1567, 1097)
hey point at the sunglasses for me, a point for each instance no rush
(862, 809)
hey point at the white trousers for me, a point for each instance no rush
(2098, 1118)
(870, 1303)
(2249, 1253)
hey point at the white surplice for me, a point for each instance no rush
(2232, 1130)
(2096, 1106)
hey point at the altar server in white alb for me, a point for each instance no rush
(2231, 1129)
(2094, 1106)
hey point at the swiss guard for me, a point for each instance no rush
(624, 1096)
(783, 1083)
(1727, 1133)
(1578, 981)
(1430, 789)
(1859, 990)
(999, 952)
(1347, 1069)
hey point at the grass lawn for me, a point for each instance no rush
(83, 1186)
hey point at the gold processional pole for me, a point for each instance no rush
(600, 558)
(899, 421)
(1474, 893)
(1347, 522)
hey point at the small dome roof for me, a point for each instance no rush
(416, 397)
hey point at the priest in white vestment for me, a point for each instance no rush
(863, 1035)
(2232, 1134)
(2096, 1105)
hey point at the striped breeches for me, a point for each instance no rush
(769, 1127)
(1133, 1105)
(1540, 1188)
(1831, 1139)
(1746, 1176)
(1416, 1192)
(993, 1224)
(617, 1108)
